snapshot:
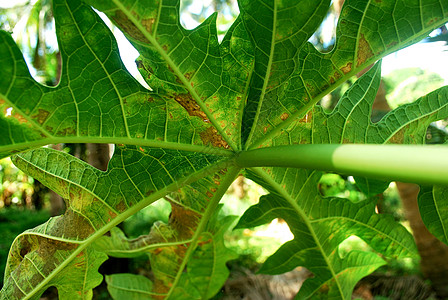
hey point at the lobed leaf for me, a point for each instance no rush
(208, 79)
(367, 30)
(319, 225)
(434, 211)
(209, 101)
(97, 201)
(96, 100)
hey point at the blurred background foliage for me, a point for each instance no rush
(25, 203)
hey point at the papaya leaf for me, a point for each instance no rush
(366, 31)
(208, 102)
(96, 100)
(206, 78)
(434, 210)
(206, 270)
(129, 286)
(319, 225)
(97, 201)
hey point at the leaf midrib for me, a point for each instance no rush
(281, 191)
(129, 212)
(212, 205)
(177, 72)
(313, 101)
(266, 77)
(105, 72)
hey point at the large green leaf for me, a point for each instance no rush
(209, 101)
(208, 79)
(319, 225)
(432, 203)
(206, 270)
(367, 30)
(97, 100)
(97, 201)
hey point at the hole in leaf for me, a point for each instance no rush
(96, 155)
(115, 265)
(325, 36)
(352, 243)
(142, 221)
(335, 185)
(35, 34)
(50, 294)
(8, 112)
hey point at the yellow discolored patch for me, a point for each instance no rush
(183, 221)
(41, 116)
(191, 106)
(210, 136)
(284, 116)
(364, 51)
(148, 23)
(188, 75)
(20, 118)
(398, 138)
(307, 118)
(347, 68)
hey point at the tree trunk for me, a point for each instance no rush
(98, 155)
(434, 253)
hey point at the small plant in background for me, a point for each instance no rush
(246, 105)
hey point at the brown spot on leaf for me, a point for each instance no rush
(398, 137)
(307, 118)
(188, 75)
(364, 51)
(324, 87)
(337, 75)
(41, 116)
(284, 116)
(112, 214)
(391, 44)
(210, 136)
(147, 23)
(347, 68)
(25, 249)
(121, 206)
(433, 20)
(127, 26)
(190, 106)
(67, 131)
(20, 118)
(183, 220)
